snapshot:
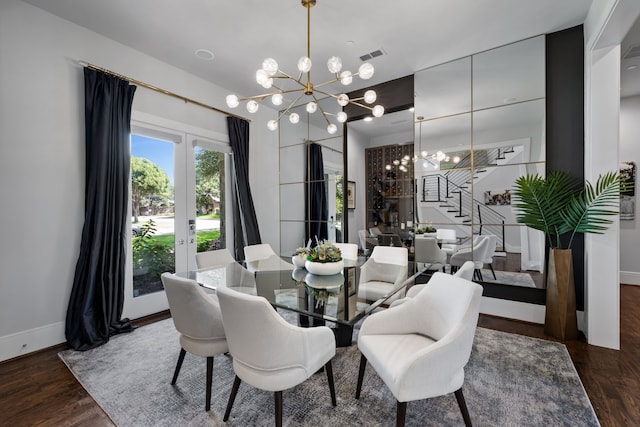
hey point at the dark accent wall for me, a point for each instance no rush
(394, 95)
(565, 121)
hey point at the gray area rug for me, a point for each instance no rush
(511, 380)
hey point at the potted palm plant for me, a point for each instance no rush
(561, 207)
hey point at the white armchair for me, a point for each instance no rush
(262, 257)
(427, 251)
(196, 316)
(477, 254)
(276, 355)
(383, 272)
(420, 348)
(213, 258)
(349, 251)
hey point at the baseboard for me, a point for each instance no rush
(513, 309)
(24, 342)
(629, 278)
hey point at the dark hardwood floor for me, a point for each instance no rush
(38, 389)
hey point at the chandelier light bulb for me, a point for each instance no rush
(403, 168)
(346, 77)
(370, 96)
(440, 156)
(270, 66)
(396, 162)
(294, 118)
(312, 107)
(378, 111)
(341, 117)
(334, 64)
(447, 158)
(252, 106)
(388, 167)
(366, 71)
(232, 101)
(277, 99)
(267, 83)
(456, 159)
(343, 99)
(332, 128)
(272, 124)
(261, 76)
(406, 157)
(304, 64)
(424, 153)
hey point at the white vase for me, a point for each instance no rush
(324, 268)
(299, 260)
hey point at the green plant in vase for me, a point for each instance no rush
(561, 207)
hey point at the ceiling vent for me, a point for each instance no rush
(372, 55)
(632, 52)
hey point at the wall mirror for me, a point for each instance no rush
(480, 124)
(297, 224)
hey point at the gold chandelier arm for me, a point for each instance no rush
(327, 82)
(291, 105)
(324, 115)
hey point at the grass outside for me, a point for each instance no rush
(168, 240)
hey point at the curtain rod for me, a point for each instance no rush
(157, 89)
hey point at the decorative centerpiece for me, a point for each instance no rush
(300, 256)
(325, 259)
(428, 231)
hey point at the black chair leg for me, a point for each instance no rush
(493, 272)
(363, 364)
(332, 388)
(278, 398)
(232, 397)
(178, 366)
(463, 407)
(207, 404)
(401, 413)
(480, 275)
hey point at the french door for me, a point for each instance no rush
(176, 208)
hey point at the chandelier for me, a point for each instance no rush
(270, 73)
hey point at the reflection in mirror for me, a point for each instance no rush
(468, 158)
(294, 157)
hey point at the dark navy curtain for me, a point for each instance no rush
(95, 306)
(245, 222)
(316, 208)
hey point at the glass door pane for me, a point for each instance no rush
(210, 200)
(153, 212)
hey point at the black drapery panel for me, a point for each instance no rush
(245, 222)
(316, 209)
(95, 306)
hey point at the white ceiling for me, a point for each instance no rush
(414, 34)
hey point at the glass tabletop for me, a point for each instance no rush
(334, 298)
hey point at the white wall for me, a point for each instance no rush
(630, 151)
(357, 166)
(42, 160)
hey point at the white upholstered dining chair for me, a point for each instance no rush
(212, 258)
(196, 316)
(384, 271)
(420, 348)
(276, 355)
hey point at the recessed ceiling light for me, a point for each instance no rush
(205, 54)
(632, 67)
(368, 119)
(350, 42)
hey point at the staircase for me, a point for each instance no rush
(450, 191)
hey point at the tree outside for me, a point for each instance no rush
(150, 187)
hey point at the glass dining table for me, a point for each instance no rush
(311, 300)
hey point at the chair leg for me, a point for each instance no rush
(401, 413)
(480, 275)
(363, 364)
(332, 388)
(463, 407)
(493, 272)
(207, 405)
(278, 398)
(178, 366)
(232, 397)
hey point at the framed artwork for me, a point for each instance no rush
(628, 195)
(496, 198)
(351, 195)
